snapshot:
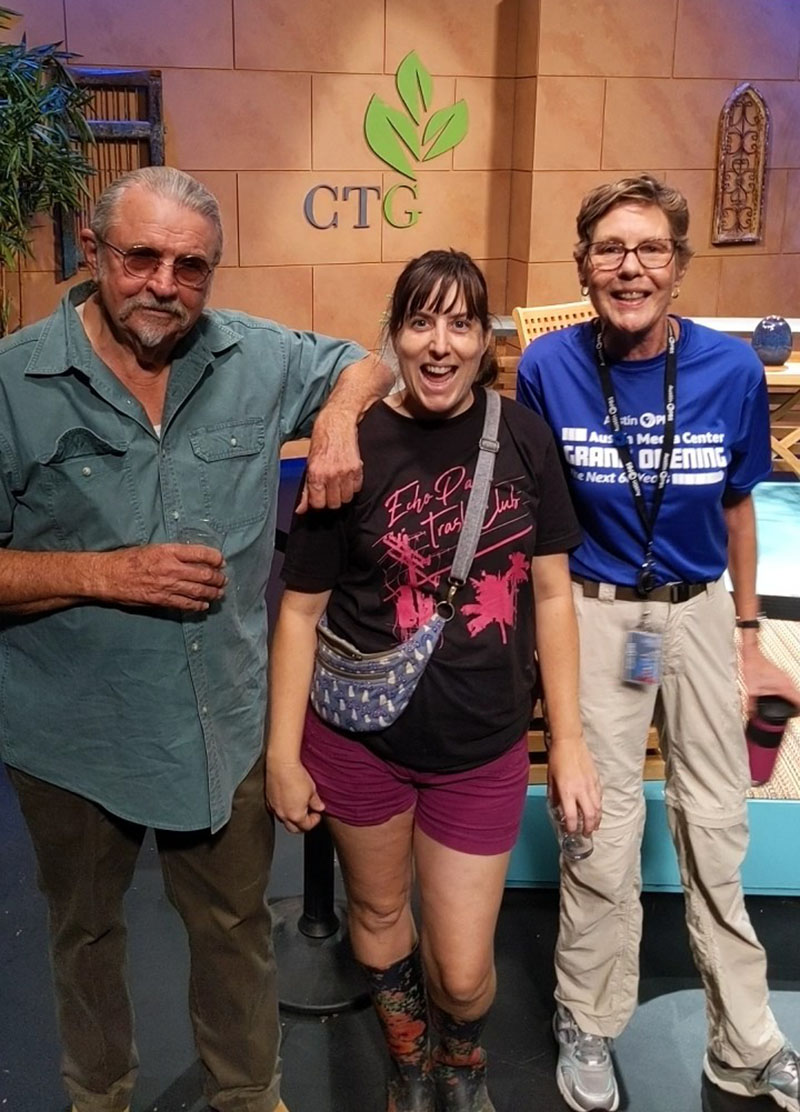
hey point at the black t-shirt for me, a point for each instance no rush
(387, 554)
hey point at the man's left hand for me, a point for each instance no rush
(335, 470)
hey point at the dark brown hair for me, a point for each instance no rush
(643, 190)
(428, 282)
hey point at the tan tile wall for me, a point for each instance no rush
(264, 99)
(627, 87)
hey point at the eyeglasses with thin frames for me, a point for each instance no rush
(652, 254)
(143, 262)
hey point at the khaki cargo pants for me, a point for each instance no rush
(699, 718)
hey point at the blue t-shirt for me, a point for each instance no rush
(721, 444)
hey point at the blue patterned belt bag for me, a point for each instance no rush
(358, 691)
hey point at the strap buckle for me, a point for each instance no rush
(680, 592)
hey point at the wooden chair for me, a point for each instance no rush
(534, 321)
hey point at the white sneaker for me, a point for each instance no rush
(585, 1072)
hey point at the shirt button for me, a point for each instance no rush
(204, 709)
(195, 646)
(86, 471)
(234, 441)
(175, 515)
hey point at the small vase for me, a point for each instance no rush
(772, 341)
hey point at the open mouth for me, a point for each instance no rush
(437, 374)
(630, 297)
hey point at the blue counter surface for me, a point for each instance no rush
(772, 865)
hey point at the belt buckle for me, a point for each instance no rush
(679, 592)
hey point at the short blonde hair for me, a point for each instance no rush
(643, 190)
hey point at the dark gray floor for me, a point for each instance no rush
(335, 1064)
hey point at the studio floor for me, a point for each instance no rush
(335, 1063)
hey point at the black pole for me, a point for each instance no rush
(319, 919)
(317, 973)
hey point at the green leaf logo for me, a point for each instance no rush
(415, 85)
(446, 128)
(394, 136)
(388, 131)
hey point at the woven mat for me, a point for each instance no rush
(780, 642)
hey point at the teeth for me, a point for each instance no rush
(629, 296)
(430, 370)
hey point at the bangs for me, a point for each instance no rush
(436, 282)
(441, 296)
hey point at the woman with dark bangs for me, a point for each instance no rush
(437, 795)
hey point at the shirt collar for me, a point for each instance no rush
(63, 344)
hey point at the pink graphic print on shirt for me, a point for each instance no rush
(419, 553)
(497, 597)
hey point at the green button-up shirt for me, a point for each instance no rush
(155, 714)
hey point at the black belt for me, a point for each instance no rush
(670, 592)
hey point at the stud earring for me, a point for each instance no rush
(676, 292)
(584, 291)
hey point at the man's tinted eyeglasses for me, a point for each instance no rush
(609, 254)
(143, 262)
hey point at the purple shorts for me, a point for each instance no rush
(478, 811)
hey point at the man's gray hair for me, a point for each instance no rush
(164, 181)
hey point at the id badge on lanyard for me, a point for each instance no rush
(642, 655)
(643, 645)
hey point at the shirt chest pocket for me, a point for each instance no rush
(91, 492)
(233, 470)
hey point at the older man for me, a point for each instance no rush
(132, 665)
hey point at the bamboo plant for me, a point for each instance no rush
(42, 127)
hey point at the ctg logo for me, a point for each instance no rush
(401, 139)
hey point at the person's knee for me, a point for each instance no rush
(463, 987)
(709, 850)
(377, 915)
(624, 812)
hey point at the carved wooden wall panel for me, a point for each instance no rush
(741, 170)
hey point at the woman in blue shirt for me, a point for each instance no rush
(663, 427)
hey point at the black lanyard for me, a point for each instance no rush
(645, 581)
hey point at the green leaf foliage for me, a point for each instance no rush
(445, 129)
(391, 135)
(42, 125)
(415, 86)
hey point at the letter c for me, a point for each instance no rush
(308, 207)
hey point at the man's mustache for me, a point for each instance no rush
(170, 305)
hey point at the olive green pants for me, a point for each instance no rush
(217, 883)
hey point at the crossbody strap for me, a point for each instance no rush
(479, 494)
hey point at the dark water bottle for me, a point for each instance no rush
(764, 732)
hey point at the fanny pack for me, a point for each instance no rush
(362, 692)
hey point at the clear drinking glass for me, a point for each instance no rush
(575, 845)
(202, 533)
(205, 534)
